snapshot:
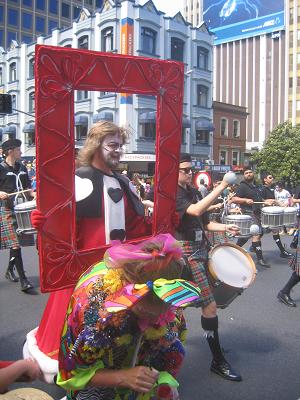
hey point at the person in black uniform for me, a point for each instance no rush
(13, 178)
(246, 194)
(268, 193)
(190, 232)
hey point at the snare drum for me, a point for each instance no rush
(22, 212)
(242, 221)
(272, 217)
(230, 270)
(289, 216)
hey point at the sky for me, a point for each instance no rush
(170, 7)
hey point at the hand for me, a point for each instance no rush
(140, 379)
(31, 370)
(175, 219)
(269, 202)
(37, 219)
(233, 229)
(249, 202)
(3, 196)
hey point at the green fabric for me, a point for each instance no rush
(81, 377)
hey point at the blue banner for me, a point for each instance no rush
(237, 19)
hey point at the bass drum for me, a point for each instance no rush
(230, 270)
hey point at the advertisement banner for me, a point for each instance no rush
(126, 48)
(237, 19)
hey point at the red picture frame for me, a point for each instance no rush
(58, 72)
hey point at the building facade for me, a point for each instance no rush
(252, 72)
(229, 135)
(25, 20)
(128, 28)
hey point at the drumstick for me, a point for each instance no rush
(259, 202)
(22, 191)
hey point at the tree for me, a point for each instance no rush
(280, 154)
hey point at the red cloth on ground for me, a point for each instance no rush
(4, 364)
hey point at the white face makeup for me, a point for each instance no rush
(111, 149)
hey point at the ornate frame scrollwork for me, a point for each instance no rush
(58, 72)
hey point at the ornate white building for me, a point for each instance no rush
(128, 28)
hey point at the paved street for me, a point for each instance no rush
(260, 336)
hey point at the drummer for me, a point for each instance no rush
(191, 233)
(248, 194)
(268, 193)
(13, 178)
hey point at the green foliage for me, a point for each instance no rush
(280, 154)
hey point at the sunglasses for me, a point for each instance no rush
(186, 170)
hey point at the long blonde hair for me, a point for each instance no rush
(95, 137)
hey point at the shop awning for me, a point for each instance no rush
(11, 129)
(203, 124)
(29, 128)
(147, 117)
(150, 117)
(81, 120)
(103, 116)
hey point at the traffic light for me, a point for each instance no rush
(5, 103)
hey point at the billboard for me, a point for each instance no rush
(237, 19)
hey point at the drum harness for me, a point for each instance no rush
(19, 185)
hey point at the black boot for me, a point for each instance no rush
(283, 252)
(25, 284)
(10, 273)
(219, 365)
(258, 252)
(284, 293)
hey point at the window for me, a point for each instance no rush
(1, 37)
(12, 72)
(13, 17)
(40, 24)
(31, 68)
(31, 102)
(27, 3)
(148, 40)
(298, 105)
(1, 76)
(65, 10)
(53, 6)
(1, 13)
(290, 83)
(26, 20)
(223, 157)
(76, 12)
(27, 39)
(82, 95)
(83, 42)
(148, 131)
(40, 4)
(236, 128)
(235, 157)
(202, 137)
(291, 15)
(51, 25)
(202, 96)
(80, 132)
(177, 49)
(14, 102)
(30, 138)
(202, 58)
(10, 36)
(224, 127)
(107, 39)
(99, 3)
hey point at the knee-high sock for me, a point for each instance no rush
(294, 279)
(279, 243)
(210, 326)
(241, 241)
(16, 253)
(258, 250)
